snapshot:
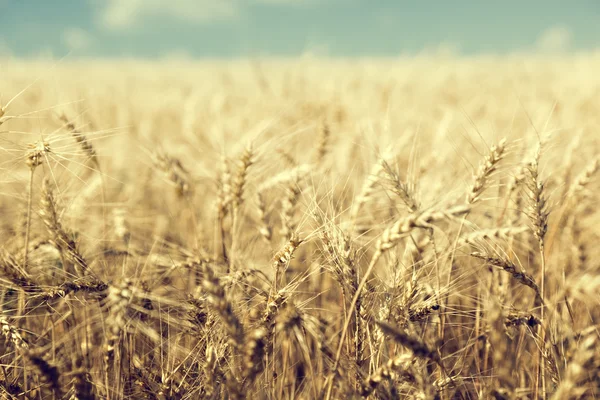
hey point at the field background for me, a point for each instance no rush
(184, 230)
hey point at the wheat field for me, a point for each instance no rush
(416, 228)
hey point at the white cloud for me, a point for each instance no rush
(76, 38)
(555, 39)
(117, 14)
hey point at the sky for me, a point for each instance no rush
(197, 29)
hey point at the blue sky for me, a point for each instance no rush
(249, 28)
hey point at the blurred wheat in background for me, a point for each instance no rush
(309, 229)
